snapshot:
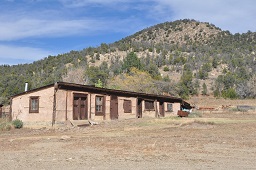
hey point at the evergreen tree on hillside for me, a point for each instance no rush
(131, 61)
(205, 91)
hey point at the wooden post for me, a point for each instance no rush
(156, 109)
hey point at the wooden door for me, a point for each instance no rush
(161, 109)
(113, 107)
(139, 108)
(80, 107)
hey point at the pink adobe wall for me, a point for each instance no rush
(151, 113)
(121, 114)
(107, 108)
(64, 105)
(175, 107)
(20, 106)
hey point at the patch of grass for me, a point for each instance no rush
(173, 118)
(234, 109)
(205, 122)
(5, 125)
(195, 114)
(142, 124)
(159, 121)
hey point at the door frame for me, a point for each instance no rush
(114, 107)
(161, 109)
(139, 108)
(80, 95)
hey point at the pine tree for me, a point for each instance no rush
(205, 91)
(99, 84)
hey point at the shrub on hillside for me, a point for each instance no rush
(166, 68)
(229, 93)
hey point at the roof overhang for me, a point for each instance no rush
(105, 91)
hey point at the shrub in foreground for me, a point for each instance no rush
(17, 123)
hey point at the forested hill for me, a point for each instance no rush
(180, 58)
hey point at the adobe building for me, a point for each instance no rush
(63, 102)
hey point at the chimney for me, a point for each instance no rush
(26, 86)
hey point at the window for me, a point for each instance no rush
(169, 107)
(99, 103)
(127, 106)
(149, 105)
(34, 104)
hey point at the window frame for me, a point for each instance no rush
(102, 112)
(168, 108)
(31, 110)
(127, 106)
(149, 105)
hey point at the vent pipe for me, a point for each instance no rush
(26, 87)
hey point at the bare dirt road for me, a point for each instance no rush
(223, 140)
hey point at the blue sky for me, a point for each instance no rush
(33, 29)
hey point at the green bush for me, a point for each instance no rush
(17, 123)
(229, 93)
(166, 68)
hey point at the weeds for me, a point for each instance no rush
(195, 114)
(6, 125)
(205, 122)
(235, 109)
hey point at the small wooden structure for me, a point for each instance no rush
(182, 113)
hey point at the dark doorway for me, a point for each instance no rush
(139, 108)
(1, 110)
(161, 109)
(113, 107)
(80, 107)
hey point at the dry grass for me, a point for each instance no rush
(221, 140)
(5, 124)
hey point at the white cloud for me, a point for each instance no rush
(82, 3)
(74, 19)
(33, 27)
(232, 15)
(12, 53)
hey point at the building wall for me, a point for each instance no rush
(150, 113)
(121, 113)
(64, 105)
(175, 108)
(107, 108)
(20, 106)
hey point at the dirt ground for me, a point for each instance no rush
(211, 140)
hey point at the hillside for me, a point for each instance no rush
(181, 58)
